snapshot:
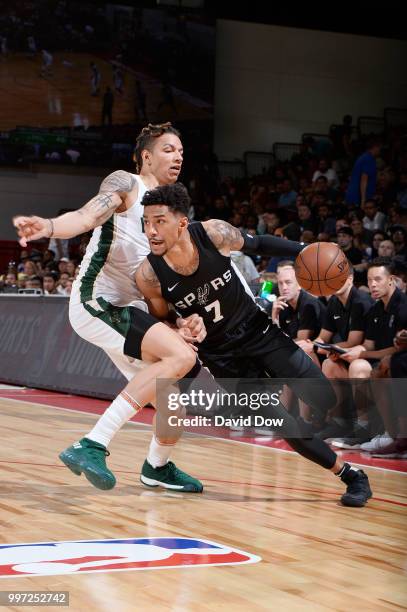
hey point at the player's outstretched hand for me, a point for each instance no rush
(192, 328)
(31, 228)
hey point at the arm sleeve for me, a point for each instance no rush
(270, 245)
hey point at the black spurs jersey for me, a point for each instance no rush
(214, 291)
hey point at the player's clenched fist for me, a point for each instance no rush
(193, 328)
(32, 228)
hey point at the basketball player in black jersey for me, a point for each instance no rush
(190, 267)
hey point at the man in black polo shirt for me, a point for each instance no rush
(387, 317)
(295, 311)
(298, 314)
(343, 324)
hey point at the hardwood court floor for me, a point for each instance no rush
(63, 98)
(316, 555)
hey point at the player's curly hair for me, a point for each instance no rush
(174, 196)
(146, 138)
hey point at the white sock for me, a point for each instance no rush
(158, 454)
(347, 467)
(119, 412)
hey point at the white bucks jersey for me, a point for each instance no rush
(114, 252)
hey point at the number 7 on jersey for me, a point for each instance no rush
(216, 307)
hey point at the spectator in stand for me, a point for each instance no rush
(48, 257)
(33, 282)
(62, 265)
(341, 222)
(378, 237)
(357, 256)
(399, 236)
(362, 238)
(304, 186)
(49, 284)
(396, 215)
(345, 241)
(68, 286)
(305, 219)
(70, 268)
(325, 170)
(300, 200)
(325, 221)
(386, 249)
(288, 196)
(10, 282)
(268, 222)
(321, 187)
(62, 283)
(30, 268)
(362, 184)
(373, 219)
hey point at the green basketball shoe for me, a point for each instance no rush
(169, 477)
(89, 457)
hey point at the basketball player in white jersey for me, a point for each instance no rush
(107, 309)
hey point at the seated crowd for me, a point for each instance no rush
(360, 203)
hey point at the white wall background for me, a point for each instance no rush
(275, 83)
(41, 194)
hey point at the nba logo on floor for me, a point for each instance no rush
(88, 556)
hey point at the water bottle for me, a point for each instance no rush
(266, 291)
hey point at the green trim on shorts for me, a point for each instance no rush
(97, 261)
(117, 317)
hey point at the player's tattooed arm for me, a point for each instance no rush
(147, 279)
(97, 211)
(150, 287)
(119, 181)
(112, 193)
(224, 236)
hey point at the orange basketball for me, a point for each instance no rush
(321, 268)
